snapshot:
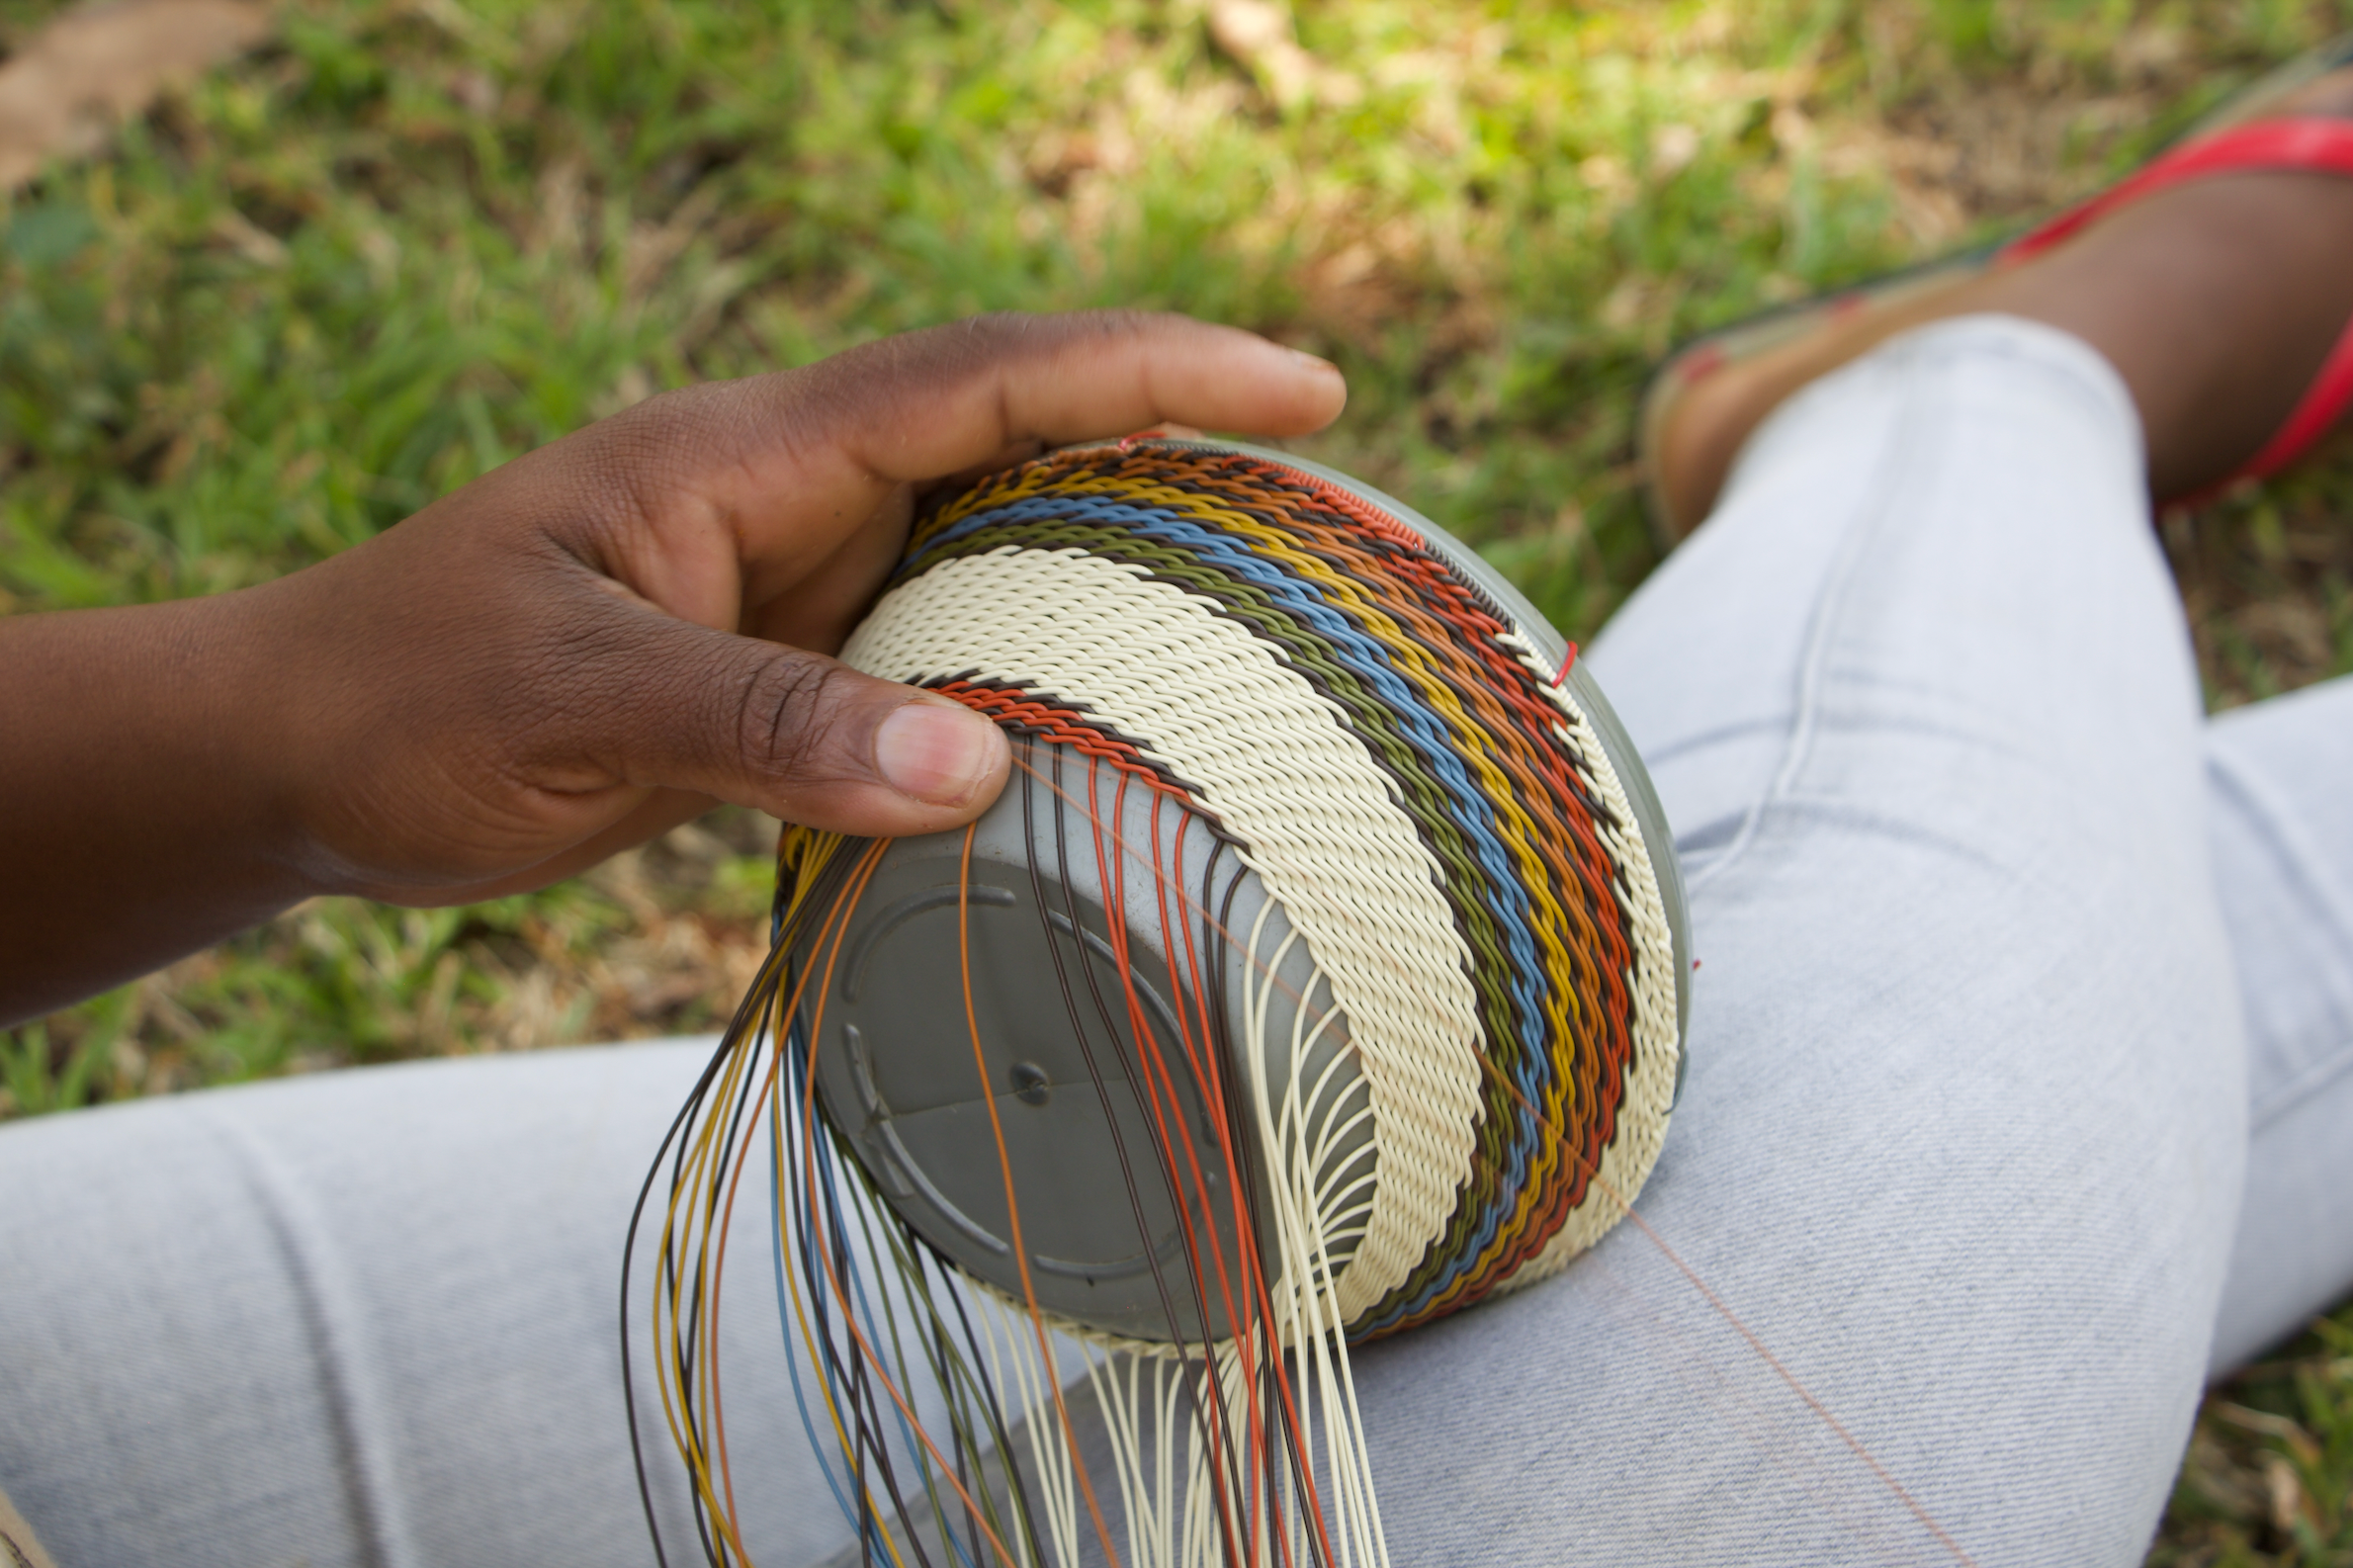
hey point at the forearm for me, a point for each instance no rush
(139, 817)
(565, 656)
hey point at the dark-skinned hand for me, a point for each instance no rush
(564, 658)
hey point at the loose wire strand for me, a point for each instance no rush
(728, 1085)
(1715, 1301)
(807, 1120)
(698, 1452)
(1013, 1207)
(754, 1007)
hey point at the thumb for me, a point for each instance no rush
(786, 731)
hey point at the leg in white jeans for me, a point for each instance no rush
(1962, 1140)
(2281, 820)
(1963, 1136)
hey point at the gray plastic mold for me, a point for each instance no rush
(1078, 1109)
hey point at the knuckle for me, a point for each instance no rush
(789, 720)
(623, 475)
(1125, 323)
(998, 326)
(977, 344)
(1011, 332)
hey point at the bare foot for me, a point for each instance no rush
(2217, 301)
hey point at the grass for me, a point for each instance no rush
(409, 240)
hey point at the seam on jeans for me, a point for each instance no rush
(2295, 1091)
(1820, 629)
(356, 1407)
(1904, 355)
(2294, 860)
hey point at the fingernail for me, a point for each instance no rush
(1313, 362)
(936, 751)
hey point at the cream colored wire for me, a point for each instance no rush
(1279, 765)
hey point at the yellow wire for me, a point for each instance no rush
(691, 1438)
(821, 847)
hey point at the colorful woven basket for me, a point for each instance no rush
(1321, 972)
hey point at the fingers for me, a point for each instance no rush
(572, 623)
(777, 456)
(669, 705)
(951, 398)
(795, 489)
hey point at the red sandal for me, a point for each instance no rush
(2237, 139)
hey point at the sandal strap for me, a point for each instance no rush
(2310, 144)
(2323, 400)
(2306, 144)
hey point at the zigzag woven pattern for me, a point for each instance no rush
(1430, 806)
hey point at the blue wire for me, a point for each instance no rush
(1365, 655)
(784, 1317)
(922, 1460)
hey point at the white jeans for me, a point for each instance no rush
(2015, 972)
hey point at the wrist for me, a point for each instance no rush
(249, 725)
(139, 811)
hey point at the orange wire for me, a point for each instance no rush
(716, 1437)
(1796, 1386)
(833, 1277)
(1723, 1309)
(1112, 878)
(727, 1215)
(1256, 1304)
(1245, 1226)
(719, 1263)
(1715, 1302)
(1013, 1209)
